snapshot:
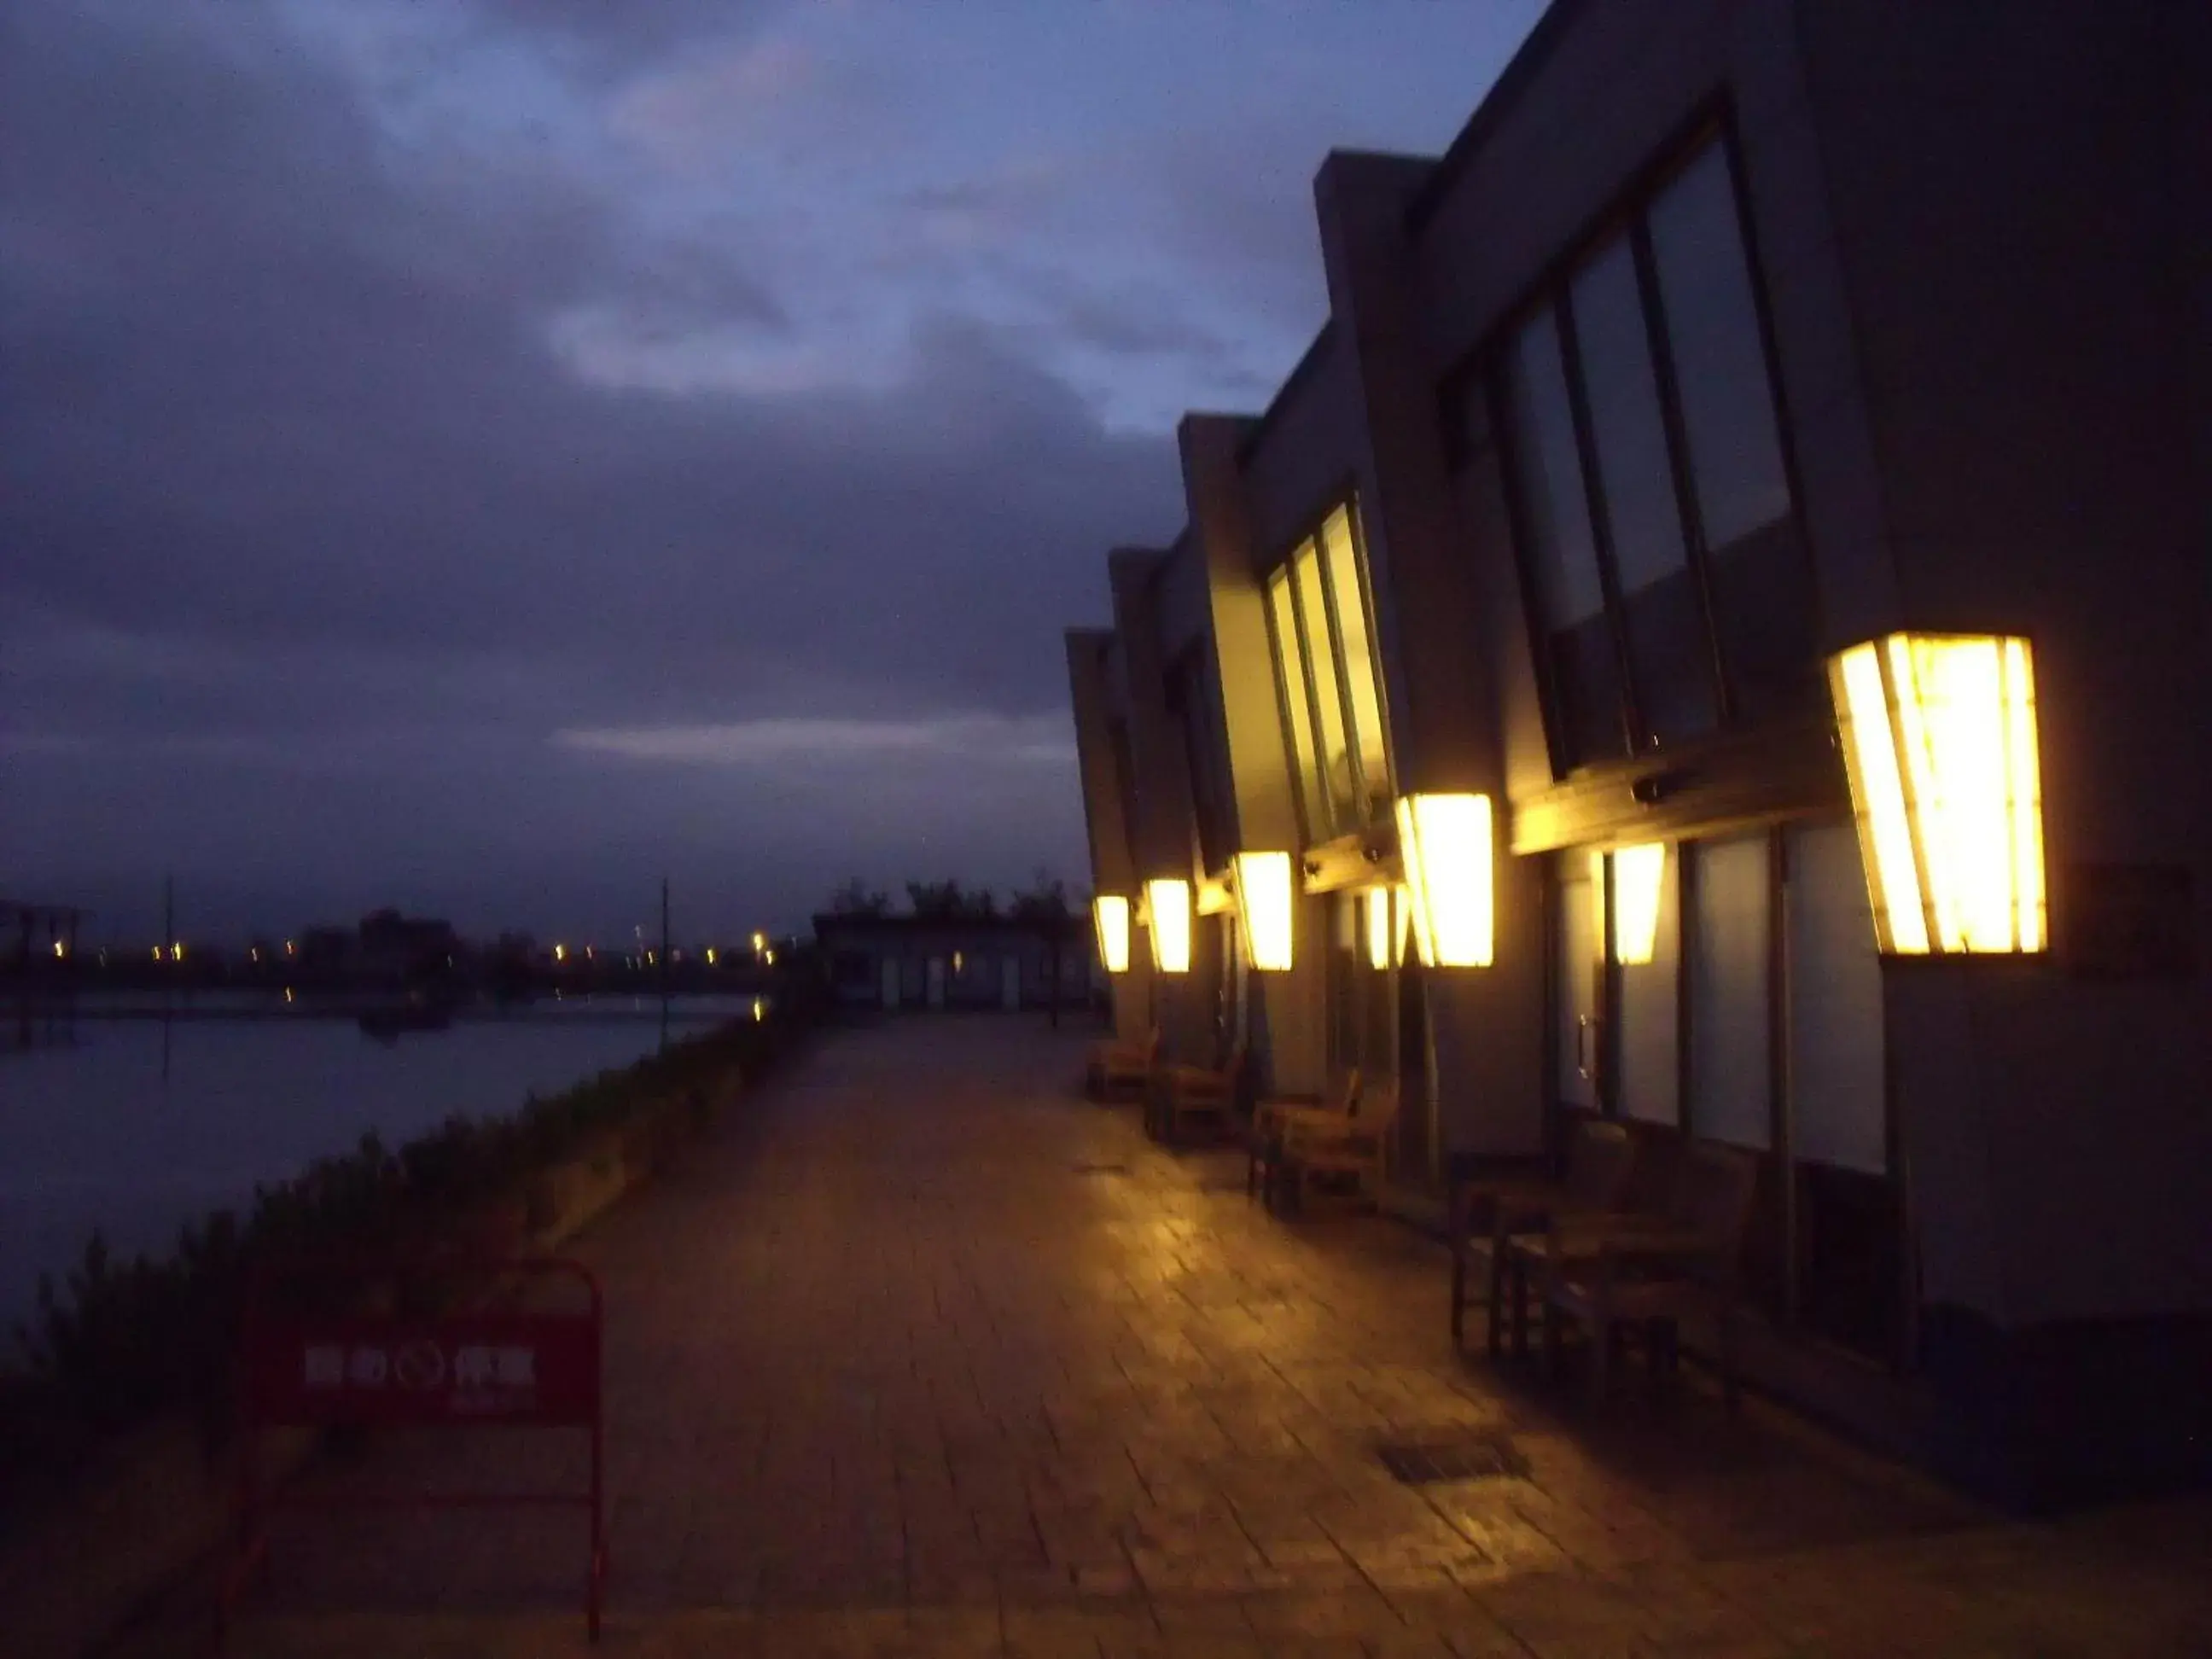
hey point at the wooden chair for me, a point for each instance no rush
(1312, 1149)
(1181, 1095)
(1648, 1274)
(1263, 1135)
(1487, 1210)
(1115, 1064)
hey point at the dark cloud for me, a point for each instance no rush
(611, 38)
(302, 504)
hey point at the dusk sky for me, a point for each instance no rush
(482, 455)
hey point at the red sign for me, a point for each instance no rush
(469, 1369)
(482, 1368)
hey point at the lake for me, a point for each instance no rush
(140, 1125)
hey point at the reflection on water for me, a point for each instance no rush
(138, 1125)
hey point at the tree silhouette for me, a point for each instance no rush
(857, 898)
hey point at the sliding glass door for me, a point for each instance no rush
(1728, 990)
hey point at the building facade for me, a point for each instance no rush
(1005, 963)
(1766, 463)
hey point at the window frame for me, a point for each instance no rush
(1480, 377)
(1314, 789)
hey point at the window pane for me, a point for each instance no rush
(1329, 692)
(1712, 330)
(1631, 436)
(1668, 646)
(1729, 1076)
(1347, 588)
(1561, 557)
(1290, 684)
(1836, 1104)
(1647, 993)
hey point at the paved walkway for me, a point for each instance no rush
(923, 1354)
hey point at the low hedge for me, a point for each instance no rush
(119, 1342)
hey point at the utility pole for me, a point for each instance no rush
(169, 954)
(663, 962)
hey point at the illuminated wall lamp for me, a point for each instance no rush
(1389, 926)
(1939, 740)
(1167, 900)
(1638, 874)
(1445, 844)
(1109, 914)
(1264, 906)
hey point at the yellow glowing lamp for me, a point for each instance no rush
(560, 953)
(1168, 902)
(1109, 914)
(1444, 843)
(1377, 903)
(1638, 874)
(1940, 743)
(1264, 908)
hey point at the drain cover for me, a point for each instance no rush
(1428, 1462)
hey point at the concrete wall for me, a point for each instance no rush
(1441, 709)
(1165, 838)
(2020, 190)
(1287, 1008)
(1092, 681)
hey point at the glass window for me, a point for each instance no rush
(1561, 554)
(1290, 684)
(1330, 684)
(1341, 554)
(1662, 610)
(1646, 381)
(1720, 362)
(1728, 1071)
(1562, 549)
(1626, 424)
(1837, 1115)
(1328, 696)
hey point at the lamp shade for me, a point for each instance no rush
(1939, 739)
(1638, 874)
(1377, 902)
(1444, 844)
(1168, 902)
(1110, 914)
(1264, 908)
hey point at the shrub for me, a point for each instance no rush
(117, 1341)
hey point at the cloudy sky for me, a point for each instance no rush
(487, 454)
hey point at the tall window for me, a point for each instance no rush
(1326, 675)
(1652, 502)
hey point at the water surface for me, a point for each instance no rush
(141, 1125)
